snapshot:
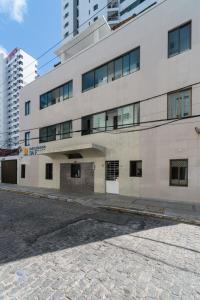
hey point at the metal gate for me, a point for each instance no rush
(112, 175)
(77, 177)
(9, 171)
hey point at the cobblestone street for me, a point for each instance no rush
(52, 249)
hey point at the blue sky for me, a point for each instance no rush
(33, 25)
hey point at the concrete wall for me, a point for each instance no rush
(158, 75)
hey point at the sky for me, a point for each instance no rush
(33, 25)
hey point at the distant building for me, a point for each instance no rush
(3, 104)
(77, 15)
(21, 69)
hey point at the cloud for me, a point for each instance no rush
(15, 9)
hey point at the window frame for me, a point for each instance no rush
(49, 172)
(27, 140)
(61, 95)
(178, 28)
(176, 92)
(138, 48)
(132, 162)
(91, 131)
(170, 173)
(27, 108)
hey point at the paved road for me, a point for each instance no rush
(57, 250)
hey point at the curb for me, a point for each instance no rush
(33, 194)
(177, 218)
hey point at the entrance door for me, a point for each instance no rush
(112, 175)
(78, 177)
(9, 171)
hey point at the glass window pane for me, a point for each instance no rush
(173, 42)
(99, 122)
(52, 133)
(173, 106)
(51, 98)
(66, 130)
(126, 65)
(101, 76)
(135, 60)
(43, 135)
(136, 113)
(185, 37)
(112, 119)
(65, 91)
(125, 116)
(111, 71)
(88, 81)
(87, 125)
(43, 101)
(70, 89)
(174, 174)
(183, 173)
(118, 68)
(185, 98)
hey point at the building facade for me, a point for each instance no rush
(3, 104)
(21, 69)
(77, 15)
(121, 115)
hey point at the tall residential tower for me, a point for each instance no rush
(77, 15)
(21, 70)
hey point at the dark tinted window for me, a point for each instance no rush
(136, 168)
(75, 171)
(49, 171)
(179, 39)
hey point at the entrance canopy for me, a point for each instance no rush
(83, 150)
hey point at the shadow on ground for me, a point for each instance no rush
(31, 227)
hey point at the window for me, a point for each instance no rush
(54, 96)
(117, 118)
(75, 171)
(88, 81)
(180, 104)
(23, 171)
(95, 7)
(179, 172)
(27, 138)
(112, 170)
(101, 76)
(27, 108)
(121, 66)
(49, 171)
(179, 39)
(55, 132)
(136, 168)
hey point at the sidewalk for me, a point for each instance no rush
(178, 211)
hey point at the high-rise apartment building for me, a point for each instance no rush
(21, 69)
(3, 109)
(77, 15)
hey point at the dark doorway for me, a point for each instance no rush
(9, 171)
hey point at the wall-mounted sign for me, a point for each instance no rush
(32, 151)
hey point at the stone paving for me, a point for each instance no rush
(52, 249)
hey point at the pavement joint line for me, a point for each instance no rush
(152, 214)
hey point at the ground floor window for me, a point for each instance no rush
(136, 168)
(75, 171)
(49, 171)
(179, 172)
(23, 171)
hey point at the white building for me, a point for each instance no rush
(3, 104)
(21, 70)
(77, 15)
(121, 113)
